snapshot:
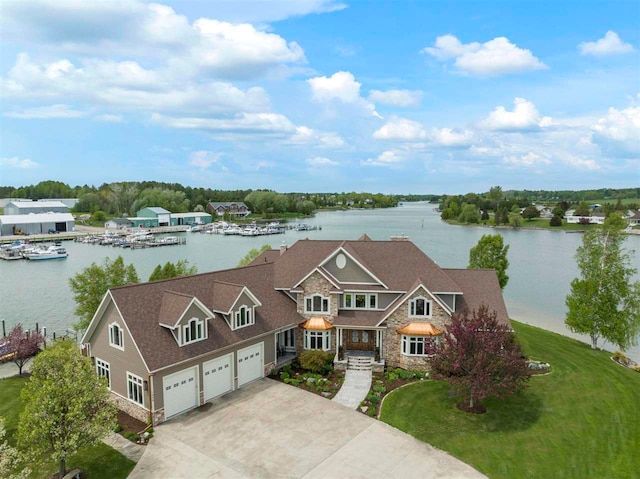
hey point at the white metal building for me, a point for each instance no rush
(36, 223)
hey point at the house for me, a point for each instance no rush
(169, 346)
(118, 224)
(632, 218)
(30, 207)
(161, 216)
(233, 208)
(36, 223)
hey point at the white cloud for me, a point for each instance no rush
(321, 161)
(204, 159)
(343, 87)
(15, 162)
(619, 131)
(401, 129)
(242, 123)
(401, 98)
(528, 160)
(525, 116)
(452, 138)
(386, 158)
(308, 136)
(47, 112)
(109, 118)
(610, 44)
(493, 58)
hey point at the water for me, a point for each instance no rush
(541, 263)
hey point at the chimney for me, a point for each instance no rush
(283, 248)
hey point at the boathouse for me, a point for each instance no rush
(162, 216)
(37, 223)
(192, 218)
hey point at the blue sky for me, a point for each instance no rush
(322, 95)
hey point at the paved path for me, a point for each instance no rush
(125, 447)
(9, 369)
(271, 430)
(354, 389)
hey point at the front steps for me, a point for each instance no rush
(359, 363)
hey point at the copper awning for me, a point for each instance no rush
(419, 329)
(316, 324)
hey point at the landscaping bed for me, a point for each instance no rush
(383, 383)
(131, 428)
(326, 385)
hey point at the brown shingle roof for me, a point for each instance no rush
(140, 306)
(480, 286)
(223, 295)
(172, 307)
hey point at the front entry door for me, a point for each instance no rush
(360, 340)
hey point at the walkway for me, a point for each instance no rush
(357, 383)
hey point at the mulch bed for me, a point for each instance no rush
(129, 423)
(334, 378)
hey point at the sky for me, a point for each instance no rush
(322, 95)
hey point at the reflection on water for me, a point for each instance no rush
(541, 263)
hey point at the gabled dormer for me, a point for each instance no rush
(235, 303)
(185, 316)
(346, 268)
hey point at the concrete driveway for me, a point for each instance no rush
(270, 430)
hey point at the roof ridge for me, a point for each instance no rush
(179, 294)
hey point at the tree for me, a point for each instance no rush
(555, 221)
(24, 344)
(480, 358)
(253, 254)
(604, 302)
(469, 214)
(171, 270)
(530, 212)
(10, 458)
(66, 406)
(90, 285)
(582, 209)
(491, 252)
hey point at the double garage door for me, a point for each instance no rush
(181, 391)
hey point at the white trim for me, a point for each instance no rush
(127, 399)
(322, 300)
(231, 357)
(366, 270)
(200, 306)
(112, 327)
(407, 296)
(92, 326)
(353, 307)
(135, 376)
(251, 296)
(322, 273)
(406, 340)
(196, 377)
(105, 365)
(250, 317)
(412, 304)
(326, 340)
(202, 322)
(262, 362)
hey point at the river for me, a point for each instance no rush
(541, 265)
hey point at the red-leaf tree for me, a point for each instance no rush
(480, 358)
(24, 345)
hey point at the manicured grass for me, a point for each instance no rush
(100, 462)
(539, 223)
(581, 421)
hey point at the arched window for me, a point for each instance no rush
(193, 331)
(420, 307)
(316, 304)
(116, 336)
(244, 317)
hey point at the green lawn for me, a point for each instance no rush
(581, 421)
(100, 462)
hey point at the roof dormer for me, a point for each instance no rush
(185, 316)
(236, 303)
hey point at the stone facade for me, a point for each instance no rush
(133, 410)
(393, 341)
(316, 284)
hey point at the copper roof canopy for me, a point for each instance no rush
(317, 324)
(420, 329)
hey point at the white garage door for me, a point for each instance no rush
(250, 364)
(180, 391)
(218, 376)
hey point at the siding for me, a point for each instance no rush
(192, 312)
(446, 299)
(120, 361)
(351, 273)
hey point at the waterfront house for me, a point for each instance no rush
(233, 208)
(169, 346)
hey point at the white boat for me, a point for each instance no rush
(52, 252)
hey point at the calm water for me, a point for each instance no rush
(541, 263)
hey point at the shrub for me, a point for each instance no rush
(379, 389)
(371, 412)
(99, 216)
(132, 436)
(316, 361)
(555, 221)
(118, 428)
(373, 399)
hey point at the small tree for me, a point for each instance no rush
(66, 406)
(582, 209)
(480, 358)
(555, 221)
(25, 345)
(253, 254)
(10, 458)
(604, 302)
(171, 270)
(90, 285)
(491, 252)
(530, 212)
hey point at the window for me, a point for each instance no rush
(360, 301)
(116, 338)
(244, 317)
(420, 307)
(419, 345)
(134, 388)
(317, 340)
(104, 371)
(316, 304)
(193, 331)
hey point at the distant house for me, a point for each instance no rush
(118, 224)
(28, 207)
(36, 223)
(233, 208)
(595, 219)
(633, 218)
(162, 216)
(170, 346)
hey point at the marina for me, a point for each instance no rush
(24, 250)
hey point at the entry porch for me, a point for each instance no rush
(361, 343)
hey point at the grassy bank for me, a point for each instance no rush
(581, 421)
(100, 462)
(537, 223)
